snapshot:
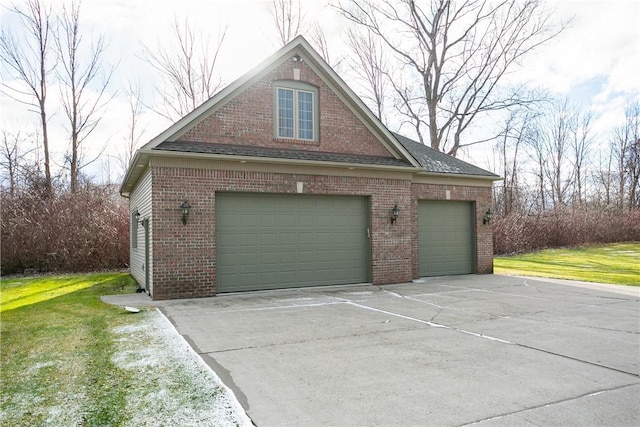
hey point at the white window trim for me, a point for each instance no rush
(295, 87)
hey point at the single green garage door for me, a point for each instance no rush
(445, 238)
(268, 241)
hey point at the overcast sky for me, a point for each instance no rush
(594, 62)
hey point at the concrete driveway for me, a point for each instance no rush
(487, 350)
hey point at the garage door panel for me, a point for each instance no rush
(290, 241)
(267, 239)
(445, 238)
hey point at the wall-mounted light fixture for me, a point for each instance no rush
(488, 216)
(297, 58)
(394, 213)
(136, 215)
(185, 206)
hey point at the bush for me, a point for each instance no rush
(518, 232)
(85, 231)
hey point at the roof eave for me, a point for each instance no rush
(274, 160)
(460, 175)
(138, 165)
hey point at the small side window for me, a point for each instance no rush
(134, 230)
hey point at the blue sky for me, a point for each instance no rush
(595, 62)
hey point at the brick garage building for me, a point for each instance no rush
(291, 182)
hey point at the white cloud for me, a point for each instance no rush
(595, 61)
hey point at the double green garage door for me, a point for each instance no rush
(269, 241)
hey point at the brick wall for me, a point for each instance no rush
(185, 256)
(248, 119)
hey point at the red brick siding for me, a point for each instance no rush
(484, 233)
(185, 256)
(248, 119)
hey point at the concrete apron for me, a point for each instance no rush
(492, 350)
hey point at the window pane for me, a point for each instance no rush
(305, 115)
(285, 113)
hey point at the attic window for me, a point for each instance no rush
(296, 111)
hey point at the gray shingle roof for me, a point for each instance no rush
(431, 160)
(250, 151)
(437, 162)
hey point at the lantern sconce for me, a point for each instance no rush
(136, 215)
(185, 206)
(394, 213)
(488, 216)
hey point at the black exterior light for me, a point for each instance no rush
(394, 213)
(185, 206)
(136, 215)
(488, 216)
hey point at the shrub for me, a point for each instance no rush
(518, 232)
(85, 231)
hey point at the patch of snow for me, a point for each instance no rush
(183, 390)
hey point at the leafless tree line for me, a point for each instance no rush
(52, 48)
(551, 158)
(563, 183)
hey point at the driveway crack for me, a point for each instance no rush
(556, 402)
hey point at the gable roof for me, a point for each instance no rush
(406, 153)
(299, 46)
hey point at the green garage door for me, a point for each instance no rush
(445, 238)
(268, 241)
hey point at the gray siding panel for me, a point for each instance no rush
(141, 200)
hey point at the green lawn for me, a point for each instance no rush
(56, 350)
(69, 359)
(615, 263)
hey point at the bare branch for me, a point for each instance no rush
(85, 82)
(455, 56)
(26, 56)
(189, 69)
(288, 19)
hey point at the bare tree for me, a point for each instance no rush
(537, 154)
(85, 82)
(319, 40)
(455, 55)
(625, 151)
(603, 178)
(188, 67)
(12, 157)
(556, 129)
(580, 144)
(27, 56)
(370, 64)
(516, 133)
(288, 19)
(135, 129)
(633, 156)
